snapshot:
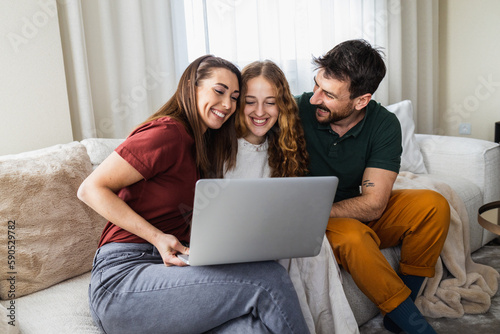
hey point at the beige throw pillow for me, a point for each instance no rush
(47, 235)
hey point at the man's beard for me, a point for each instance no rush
(333, 118)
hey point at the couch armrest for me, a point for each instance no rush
(473, 159)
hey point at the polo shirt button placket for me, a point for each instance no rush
(333, 150)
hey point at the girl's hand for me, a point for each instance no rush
(169, 246)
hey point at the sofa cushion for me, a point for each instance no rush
(62, 308)
(411, 159)
(55, 234)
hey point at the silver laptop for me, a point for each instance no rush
(246, 220)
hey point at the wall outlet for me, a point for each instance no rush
(464, 128)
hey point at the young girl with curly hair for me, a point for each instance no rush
(270, 138)
(271, 144)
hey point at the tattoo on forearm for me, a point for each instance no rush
(367, 183)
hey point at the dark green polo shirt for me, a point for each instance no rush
(373, 142)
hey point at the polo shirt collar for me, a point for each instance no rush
(356, 130)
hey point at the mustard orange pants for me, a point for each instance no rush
(417, 219)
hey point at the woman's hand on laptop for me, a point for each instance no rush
(168, 246)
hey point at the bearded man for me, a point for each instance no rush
(351, 136)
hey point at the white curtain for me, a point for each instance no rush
(124, 58)
(121, 64)
(290, 32)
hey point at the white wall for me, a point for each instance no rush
(34, 110)
(469, 66)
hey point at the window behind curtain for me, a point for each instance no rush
(289, 32)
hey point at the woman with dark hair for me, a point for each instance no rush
(138, 284)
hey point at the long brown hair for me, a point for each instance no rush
(214, 148)
(287, 145)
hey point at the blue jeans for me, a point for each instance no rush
(132, 291)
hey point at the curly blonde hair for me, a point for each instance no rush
(287, 145)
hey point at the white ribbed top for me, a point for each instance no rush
(251, 161)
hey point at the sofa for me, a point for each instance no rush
(49, 237)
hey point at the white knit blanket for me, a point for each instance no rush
(319, 288)
(459, 286)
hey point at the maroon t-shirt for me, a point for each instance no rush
(164, 154)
